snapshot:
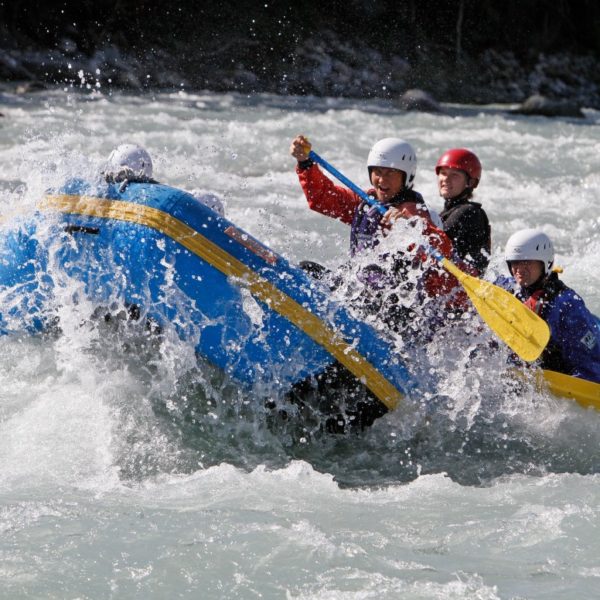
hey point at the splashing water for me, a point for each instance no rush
(129, 464)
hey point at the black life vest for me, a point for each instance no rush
(468, 226)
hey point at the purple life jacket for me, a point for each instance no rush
(365, 223)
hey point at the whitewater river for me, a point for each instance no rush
(127, 472)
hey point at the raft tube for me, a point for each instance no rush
(262, 320)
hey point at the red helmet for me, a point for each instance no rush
(463, 159)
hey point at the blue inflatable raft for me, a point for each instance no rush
(246, 309)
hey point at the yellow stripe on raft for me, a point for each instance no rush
(231, 267)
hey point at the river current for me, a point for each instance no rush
(134, 472)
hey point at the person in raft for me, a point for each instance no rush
(465, 222)
(392, 166)
(574, 347)
(130, 163)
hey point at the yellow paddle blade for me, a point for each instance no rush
(518, 327)
(584, 392)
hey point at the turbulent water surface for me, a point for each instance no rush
(131, 470)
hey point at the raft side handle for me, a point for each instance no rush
(82, 229)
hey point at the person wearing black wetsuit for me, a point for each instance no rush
(465, 222)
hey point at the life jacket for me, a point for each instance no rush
(468, 226)
(540, 301)
(539, 296)
(366, 220)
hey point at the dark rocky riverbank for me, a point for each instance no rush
(250, 55)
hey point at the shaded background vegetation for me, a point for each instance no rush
(269, 45)
(521, 25)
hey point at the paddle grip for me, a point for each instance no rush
(349, 184)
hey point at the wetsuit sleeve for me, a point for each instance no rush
(325, 197)
(576, 333)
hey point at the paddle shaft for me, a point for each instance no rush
(349, 184)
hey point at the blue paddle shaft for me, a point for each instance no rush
(349, 184)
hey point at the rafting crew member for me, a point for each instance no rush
(465, 222)
(128, 163)
(392, 166)
(131, 163)
(211, 200)
(574, 346)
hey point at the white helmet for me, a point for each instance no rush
(530, 244)
(394, 153)
(131, 157)
(213, 202)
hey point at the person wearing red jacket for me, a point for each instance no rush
(391, 164)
